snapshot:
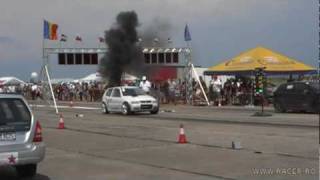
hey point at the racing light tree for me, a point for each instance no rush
(260, 89)
(260, 82)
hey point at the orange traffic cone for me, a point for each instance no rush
(182, 137)
(61, 122)
(71, 104)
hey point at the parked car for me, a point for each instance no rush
(21, 144)
(297, 96)
(127, 100)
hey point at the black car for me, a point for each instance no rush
(297, 96)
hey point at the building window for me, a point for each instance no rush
(94, 59)
(147, 58)
(154, 58)
(86, 58)
(70, 58)
(168, 57)
(78, 58)
(175, 57)
(61, 58)
(161, 58)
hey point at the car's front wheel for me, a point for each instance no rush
(278, 107)
(125, 109)
(156, 111)
(28, 170)
(104, 108)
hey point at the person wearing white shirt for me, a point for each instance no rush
(145, 85)
(216, 87)
(34, 89)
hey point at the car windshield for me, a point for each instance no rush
(132, 92)
(14, 115)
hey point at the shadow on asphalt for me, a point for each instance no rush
(9, 173)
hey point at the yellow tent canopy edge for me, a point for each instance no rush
(260, 57)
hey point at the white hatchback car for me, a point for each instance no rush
(127, 100)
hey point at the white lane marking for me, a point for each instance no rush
(66, 107)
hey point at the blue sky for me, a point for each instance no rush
(220, 29)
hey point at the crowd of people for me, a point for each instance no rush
(232, 91)
(169, 91)
(90, 92)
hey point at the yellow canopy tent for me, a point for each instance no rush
(260, 57)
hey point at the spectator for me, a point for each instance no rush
(145, 85)
(216, 89)
(34, 89)
(172, 88)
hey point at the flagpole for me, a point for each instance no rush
(43, 39)
(43, 50)
(75, 42)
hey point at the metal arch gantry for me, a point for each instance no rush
(48, 51)
(186, 51)
(45, 69)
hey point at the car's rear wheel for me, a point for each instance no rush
(28, 170)
(279, 108)
(125, 109)
(104, 108)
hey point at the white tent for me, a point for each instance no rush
(129, 77)
(62, 80)
(10, 81)
(98, 78)
(92, 77)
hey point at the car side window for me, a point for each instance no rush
(289, 87)
(108, 93)
(301, 88)
(116, 93)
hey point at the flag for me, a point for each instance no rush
(50, 30)
(101, 39)
(63, 38)
(78, 38)
(187, 36)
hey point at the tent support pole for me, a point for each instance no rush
(197, 77)
(51, 89)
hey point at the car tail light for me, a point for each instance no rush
(38, 133)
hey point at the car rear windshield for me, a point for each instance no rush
(132, 92)
(14, 115)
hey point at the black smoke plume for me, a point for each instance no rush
(124, 54)
(158, 28)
